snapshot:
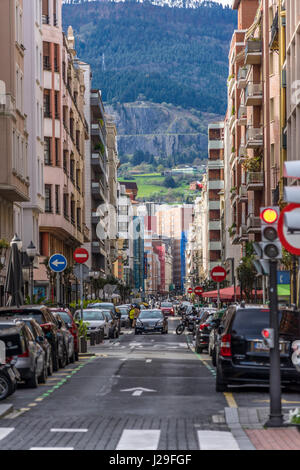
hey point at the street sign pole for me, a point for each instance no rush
(81, 291)
(275, 417)
(58, 288)
(218, 295)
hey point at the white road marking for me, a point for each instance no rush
(68, 430)
(137, 439)
(5, 432)
(216, 440)
(148, 360)
(137, 391)
(51, 448)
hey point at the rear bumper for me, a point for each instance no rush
(156, 329)
(241, 374)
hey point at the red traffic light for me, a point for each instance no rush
(269, 215)
(266, 333)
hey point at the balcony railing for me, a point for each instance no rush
(45, 19)
(242, 77)
(7, 105)
(242, 115)
(255, 180)
(253, 52)
(253, 94)
(243, 233)
(254, 137)
(243, 194)
(253, 224)
(242, 153)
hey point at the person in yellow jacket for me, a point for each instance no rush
(131, 315)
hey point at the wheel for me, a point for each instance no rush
(33, 381)
(73, 357)
(180, 329)
(76, 356)
(50, 367)
(43, 377)
(221, 386)
(213, 358)
(63, 360)
(198, 349)
(5, 387)
(55, 360)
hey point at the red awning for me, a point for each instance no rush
(228, 293)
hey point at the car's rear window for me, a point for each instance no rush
(14, 343)
(250, 321)
(36, 314)
(65, 317)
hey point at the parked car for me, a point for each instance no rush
(94, 320)
(151, 321)
(31, 362)
(124, 310)
(9, 375)
(203, 332)
(241, 355)
(109, 306)
(167, 308)
(41, 339)
(214, 335)
(68, 339)
(70, 323)
(47, 322)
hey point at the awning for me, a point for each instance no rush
(227, 293)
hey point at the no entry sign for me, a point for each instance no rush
(289, 228)
(190, 290)
(198, 290)
(218, 274)
(81, 255)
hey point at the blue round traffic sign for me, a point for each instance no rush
(57, 263)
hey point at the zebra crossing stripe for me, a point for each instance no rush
(139, 439)
(216, 440)
(4, 432)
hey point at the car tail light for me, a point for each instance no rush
(9, 359)
(225, 350)
(25, 354)
(203, 325)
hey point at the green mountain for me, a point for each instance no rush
(143, 52)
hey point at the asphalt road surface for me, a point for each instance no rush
(138, 392)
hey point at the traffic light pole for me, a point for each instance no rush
(275, 417)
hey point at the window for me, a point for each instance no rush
(57, 199)
(45, 12)
(272, 109)
(47, 106)
(72, 170)
(57, 152)
(48, 205)
(46, 54)
(56, 105)
(72, 211)
(123, 210)
(66, 206)
(123, 226)
(47, 151)
(78, 218)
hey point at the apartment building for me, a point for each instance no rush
(33, 106)
(14, 176)
(62, 226)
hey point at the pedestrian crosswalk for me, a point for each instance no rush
(133, 439)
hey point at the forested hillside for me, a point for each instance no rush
(160, 54)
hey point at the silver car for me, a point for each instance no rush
(31, 360)
(94, 320)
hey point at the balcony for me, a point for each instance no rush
(96, 103)
(215, 246)
(214, 225)
(214, 205)
(231, 83)
(243, 194)
(97, 132)
(215, 164)
(97, 163)
(232, 157)
(7, 106)
(243, 235)
(253, 224)
(255, 181)
(242, 78)
(254, 137)
(98, 191)
(253, 52)
(253, 94)
(242, 115)
(242, 153)
(219, 184)
(215, 144)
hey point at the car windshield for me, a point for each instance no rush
(90, 315)
(151, 314)
(166, 304)
(251, 321)
(65, 317)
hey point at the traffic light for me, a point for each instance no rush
(271, 245)
(268, 337)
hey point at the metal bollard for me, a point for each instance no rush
(92, 338)
(98, 339)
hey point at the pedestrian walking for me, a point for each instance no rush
(131, 315)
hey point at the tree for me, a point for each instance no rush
(246, 275)
(169, 182)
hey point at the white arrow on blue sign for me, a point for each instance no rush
(57, 263)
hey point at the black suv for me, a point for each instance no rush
(242, 357)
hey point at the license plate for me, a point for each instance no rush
(262, 347)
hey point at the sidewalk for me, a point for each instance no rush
(247, 426)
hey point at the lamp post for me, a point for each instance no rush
(31, 252)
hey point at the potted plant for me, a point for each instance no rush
(252, 164)
(82, 332)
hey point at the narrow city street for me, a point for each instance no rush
(152, 384)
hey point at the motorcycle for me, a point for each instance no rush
(189, 322)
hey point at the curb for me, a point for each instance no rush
(232, 420)
(86, 354)
(5, 410)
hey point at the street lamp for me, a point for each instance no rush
(18, 241)
(31, 252)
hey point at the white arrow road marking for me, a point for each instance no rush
(5, 432)
(137, 391)
(138, 439)
(217, 440)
